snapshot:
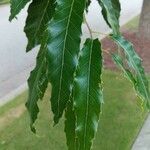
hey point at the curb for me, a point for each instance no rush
(9, 97)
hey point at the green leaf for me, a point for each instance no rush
(37, 83)
(111, 13)
(70, 126)
(88, 2)
(135, 63)
(117, 8)
(128, 74)
(88, 93)
(16, 7)
(63, 49)
(39, 14)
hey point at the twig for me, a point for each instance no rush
(88, 26)
(100, 33)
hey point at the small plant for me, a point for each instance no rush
(74, 73)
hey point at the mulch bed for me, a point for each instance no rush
(141, 45)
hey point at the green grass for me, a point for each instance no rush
(4, 2)
(119, 125)
(18, 100)
(132, 25)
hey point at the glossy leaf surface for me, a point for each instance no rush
(63, 49)
(88, 93)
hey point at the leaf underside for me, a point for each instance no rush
(111, 13)
(138, 78)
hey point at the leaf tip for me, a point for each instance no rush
(56, 120)
(11, 18)
(32, 128)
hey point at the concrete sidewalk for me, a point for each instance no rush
(143, 140)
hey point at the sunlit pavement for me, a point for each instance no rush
(15, 64)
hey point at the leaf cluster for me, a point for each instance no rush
(74, 72)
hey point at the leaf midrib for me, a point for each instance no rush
(41, 19)
(62, 66)
(35, 82)
(87, 96)
(137, 70)
(15, 10)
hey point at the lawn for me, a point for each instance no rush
(132, 25)
(119, 125)
(3, 1)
